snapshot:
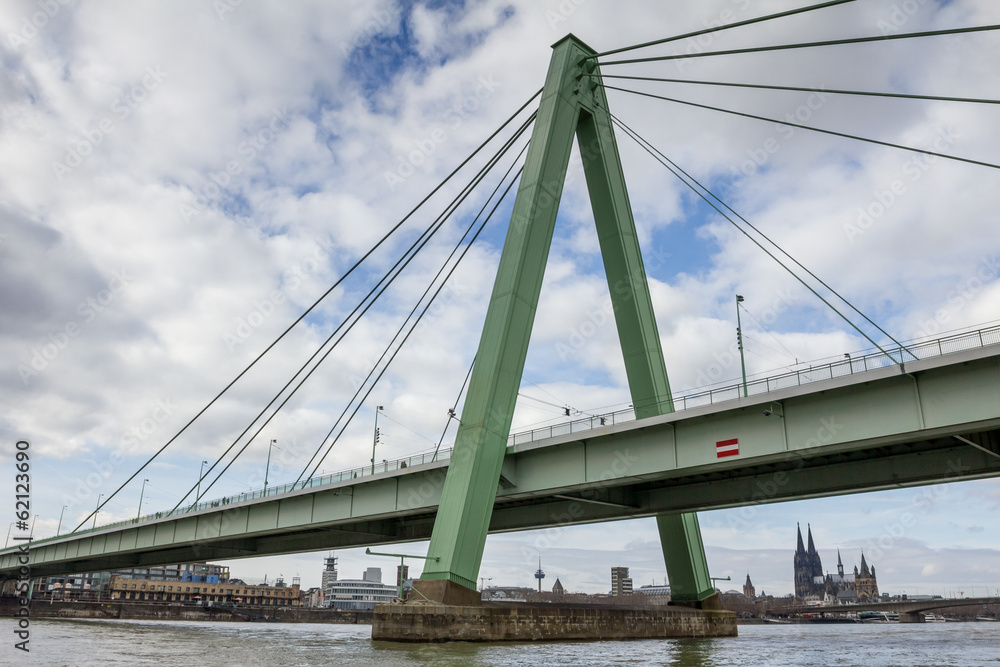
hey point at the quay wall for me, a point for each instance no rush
(150, 611)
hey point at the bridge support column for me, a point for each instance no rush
(572, 103)
(911, 617)
(684, 555)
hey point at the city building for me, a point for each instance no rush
(202, 592)
(811, 583)
(655, 594)
(621, 583)
(557, 588)
(95, 585)
(359, 594)
(748, 589)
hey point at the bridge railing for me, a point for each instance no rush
(682, 401)
(848, 366)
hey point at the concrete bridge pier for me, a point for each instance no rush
(911, 617)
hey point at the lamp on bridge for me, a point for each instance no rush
(141, 494)
(200, 474)
(739, 343)
(61, 518)
(375, 438)
(267, 467)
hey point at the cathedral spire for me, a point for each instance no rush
(812, 549)
(799, 548)
(864, 566)
(840, 564)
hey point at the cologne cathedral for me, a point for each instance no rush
(811, 582)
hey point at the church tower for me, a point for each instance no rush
(865, 581)
(748, 589)
(840, 566)
(802, 567)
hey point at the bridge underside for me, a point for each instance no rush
(889, 465)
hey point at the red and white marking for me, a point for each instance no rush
(724, 448)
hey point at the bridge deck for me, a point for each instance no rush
(926, 421)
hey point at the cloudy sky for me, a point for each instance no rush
(179, 181)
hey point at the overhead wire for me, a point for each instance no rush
(779, 248)
(451, 412)
(380, 288)
(807, 127)
(311, 307)
(412, 311)
(824, 91)
(805, 45)
(656, 155)
(423, 312)
(719, 28)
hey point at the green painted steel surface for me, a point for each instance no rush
(572, 103)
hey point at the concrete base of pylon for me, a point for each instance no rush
(527, 621)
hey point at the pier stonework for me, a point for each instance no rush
(525, 621)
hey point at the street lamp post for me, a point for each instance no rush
(268, 466)
(141, 494)
(61, 518)
(200, 472)
(375, 438)
(739, 343)
(97, 511)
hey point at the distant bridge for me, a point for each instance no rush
(910, 611)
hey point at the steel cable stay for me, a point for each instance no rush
(417, 321)
(451, 412)
(377, 291)
(719, 28)
(805, 45)
(676, 171)
(375, 366)
(312, 307)
(807, 127)
(775, 245)
(825, 91)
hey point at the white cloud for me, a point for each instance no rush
(215, 161)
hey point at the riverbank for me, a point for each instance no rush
(177, 612)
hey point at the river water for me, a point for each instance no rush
(169, 643)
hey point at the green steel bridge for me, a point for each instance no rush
(903, 416)
(830, 430)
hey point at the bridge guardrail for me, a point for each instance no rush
(848, 366)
